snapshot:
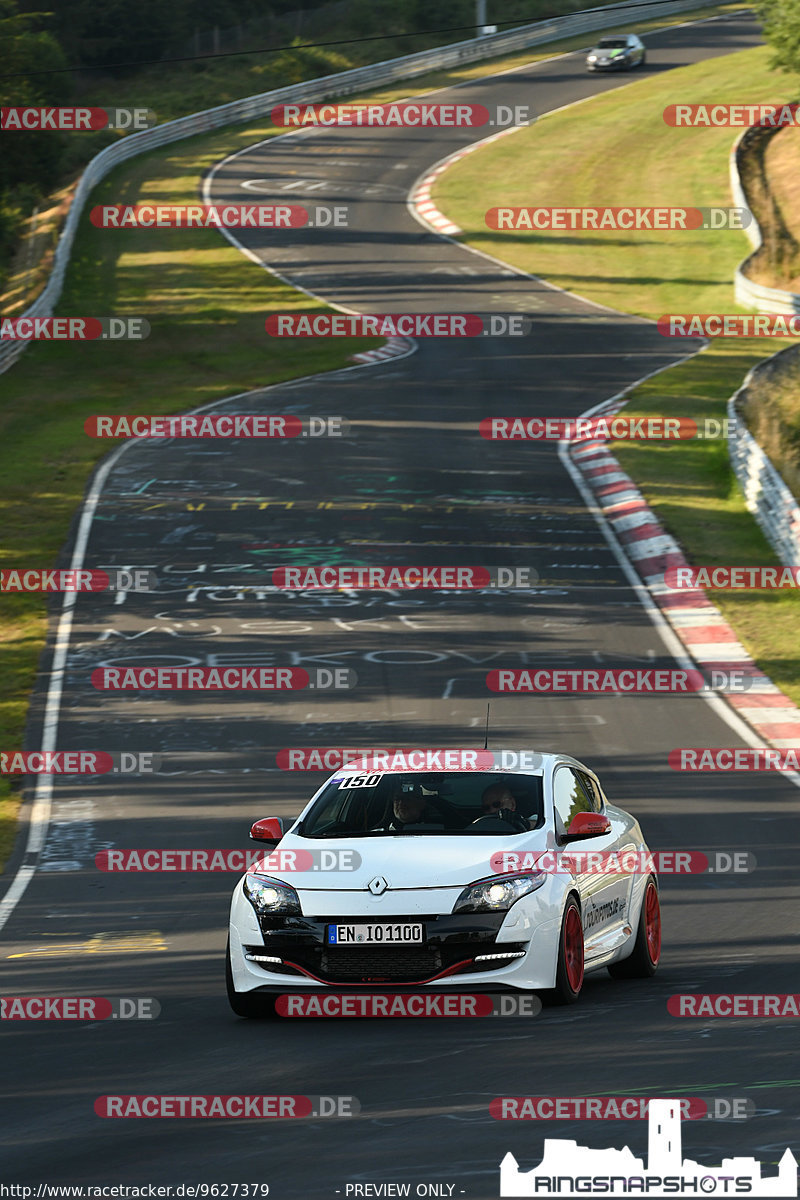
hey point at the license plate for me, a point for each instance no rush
(385, 934)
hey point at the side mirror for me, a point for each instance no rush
(268, 829)
(587, 825)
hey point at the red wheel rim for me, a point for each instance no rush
(573, 948)
(652, 923)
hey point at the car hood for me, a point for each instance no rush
(609, 53)
(406, 861)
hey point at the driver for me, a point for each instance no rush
(414, 808)
(496, 797)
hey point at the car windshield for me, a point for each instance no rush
(392, 804)
(617, 43)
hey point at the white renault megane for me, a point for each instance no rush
(480, 871)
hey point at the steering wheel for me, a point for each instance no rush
(495, 821)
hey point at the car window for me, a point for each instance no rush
(391, 803)
(612, 43)
(569, 797)
(593, 789)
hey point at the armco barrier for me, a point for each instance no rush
(766, 495)
(748, 293)
(330, 86)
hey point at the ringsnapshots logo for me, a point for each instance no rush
(258, 861)
(608, 428)
(615, 218)
(567, 1169)
(397, 578)
(79, 1008)
(405, 114)
(415, 325)
(21, 579)
(74, 329)
(729, 325)
(226, 679)
(75, 120)
(408, 1004)
(216, 425)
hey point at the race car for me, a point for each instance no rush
(441, 870)
(618, 52)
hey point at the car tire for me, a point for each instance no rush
(643, 963)
(643, 59)
(245, 1004)
(570, 967)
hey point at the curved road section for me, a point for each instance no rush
(412, 483)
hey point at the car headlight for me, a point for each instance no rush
(592, 58)
(498, 893)
(270, 896)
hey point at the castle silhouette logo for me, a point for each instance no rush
(568, 1169)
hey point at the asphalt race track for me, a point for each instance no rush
(413, 483)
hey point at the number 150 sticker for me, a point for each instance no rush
(358, 781)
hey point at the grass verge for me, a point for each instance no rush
(175, 91)
(206, 304)
(617, 150)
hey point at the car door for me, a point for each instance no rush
(604, 897)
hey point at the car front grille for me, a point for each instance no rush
(381, 964)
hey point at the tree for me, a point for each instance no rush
(782, 30)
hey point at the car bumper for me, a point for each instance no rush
(616, 65)
(450, 957)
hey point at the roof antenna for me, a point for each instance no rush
(486, 738)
